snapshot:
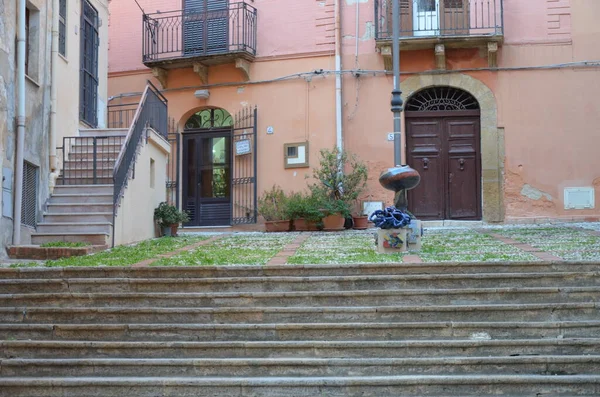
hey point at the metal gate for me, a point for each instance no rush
(243, 182)
(173, 164)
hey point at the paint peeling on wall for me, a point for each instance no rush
(523, 200)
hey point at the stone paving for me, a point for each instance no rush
(483, 243)
(511, 242)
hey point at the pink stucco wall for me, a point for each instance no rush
(548, 117)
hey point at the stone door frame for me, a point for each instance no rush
(492, 137)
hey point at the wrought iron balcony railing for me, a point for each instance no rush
(200, 33)
(440, 18)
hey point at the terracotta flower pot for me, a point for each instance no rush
(302, 225)
(333, 222)
(174, 229)
(360, 222)
(277, 226)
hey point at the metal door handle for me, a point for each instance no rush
(425, 163)
(461, 163)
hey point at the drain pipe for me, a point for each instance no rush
(53, 94)
(338, 76)
(20, 122)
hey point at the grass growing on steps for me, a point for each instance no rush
(64, 244)
(125, 255)
(239, 249)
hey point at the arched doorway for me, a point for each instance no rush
(207, 164)
(443, 144)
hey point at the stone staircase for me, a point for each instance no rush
(528, 329)
(80, 208)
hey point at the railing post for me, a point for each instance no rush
(63, 162)
(95, 151)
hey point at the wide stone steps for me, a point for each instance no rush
(406, 385)
(387, 269)
(287, 349)
(260, 315)
(302, 331)
(280, 367)
(292, 284)
(307, 298)
(451, 329)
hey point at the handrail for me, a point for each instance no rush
(151, 112)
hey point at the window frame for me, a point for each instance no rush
(62, 27)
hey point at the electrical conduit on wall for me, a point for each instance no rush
(20, 122)
(338, 76)
(53, 93)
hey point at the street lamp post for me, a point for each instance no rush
(400, 178)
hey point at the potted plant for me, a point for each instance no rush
(360, 220)
(168, 218)
(304, 210)
(273, 207)
(335, 213)
(341, 178)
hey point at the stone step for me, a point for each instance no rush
(385, 269)
(87, 146)
(88, 155)
(303, 331)
(71, 227)
(277, 367)
(102, 162)
(80, 189)
(79, 198)
(79, 208)
(261, 315)
(103, 171)
(331, 386)
(78, 217)
(299, 349)
(71, 237)
(302, 298)
(77, 180)
(102, 132)
(285, 284)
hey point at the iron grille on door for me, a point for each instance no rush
(29, 198)
(88, 96)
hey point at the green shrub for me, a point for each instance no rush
(166, 215)
(272, 205)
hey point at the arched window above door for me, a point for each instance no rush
(209, 119)
(441, 99)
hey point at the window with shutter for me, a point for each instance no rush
(88, 96)
(62, 27)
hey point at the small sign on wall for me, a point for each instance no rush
(295, 155)
(243, 146)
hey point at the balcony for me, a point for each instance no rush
(441, 24)
(199, 37)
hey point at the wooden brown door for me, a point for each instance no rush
(445, 149)
(454, 19)
(406, 18)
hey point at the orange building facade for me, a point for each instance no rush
(500, 99)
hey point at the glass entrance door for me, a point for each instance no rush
(207, 178)
(426, 17)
